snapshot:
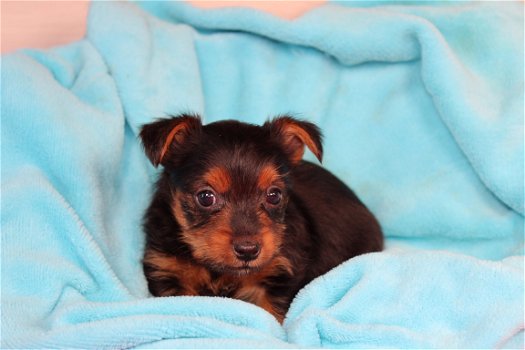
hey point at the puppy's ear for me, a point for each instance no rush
(165, 134)
(294, 134)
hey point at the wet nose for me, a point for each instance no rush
(246, 250)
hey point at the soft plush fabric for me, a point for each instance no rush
(421, 106)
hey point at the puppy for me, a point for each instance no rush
(237, 212)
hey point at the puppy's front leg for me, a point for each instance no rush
(168, 275)
(271, 307)
(259, 296)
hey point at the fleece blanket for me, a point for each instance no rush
(422, 108)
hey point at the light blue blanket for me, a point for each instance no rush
(422, 109)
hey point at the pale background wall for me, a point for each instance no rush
(43, 24)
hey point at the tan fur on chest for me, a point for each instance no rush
(194, 279)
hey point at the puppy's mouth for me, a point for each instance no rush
(243, 269)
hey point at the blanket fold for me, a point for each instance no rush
(421, 106)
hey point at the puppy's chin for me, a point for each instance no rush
(240, 269)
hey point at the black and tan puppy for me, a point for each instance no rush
(237, 213)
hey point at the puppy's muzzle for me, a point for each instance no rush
(246, 250)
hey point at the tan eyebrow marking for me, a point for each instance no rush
(267, 177)
(219, 179)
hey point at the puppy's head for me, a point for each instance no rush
(229, 184)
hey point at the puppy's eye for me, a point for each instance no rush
(206, 198)
(274, 196)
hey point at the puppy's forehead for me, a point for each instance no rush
(224, 179)
(235, 130)
(237, 172)
(239, 157)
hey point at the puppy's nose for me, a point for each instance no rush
(246, 250)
